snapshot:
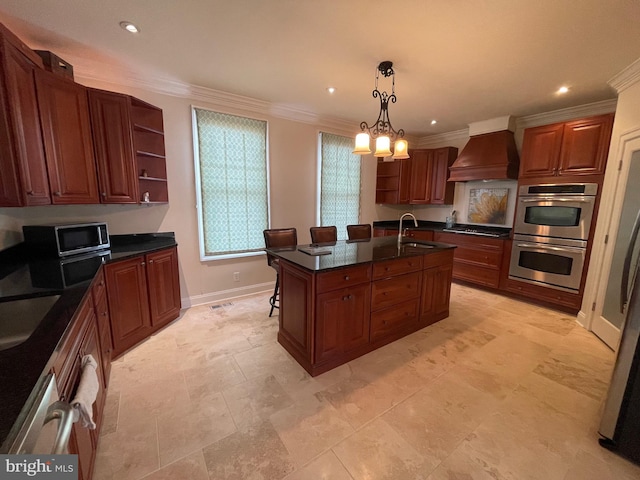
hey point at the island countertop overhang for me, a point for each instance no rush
(346, 253)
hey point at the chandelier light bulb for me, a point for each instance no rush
(400, 149)
(383, 147)
(362, 144)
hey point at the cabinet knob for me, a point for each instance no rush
(29, 192)
(104, 314)
(150, 261)
(101, 283)
(143, 263)
(346, 277)
(57, 194)
(104, 194)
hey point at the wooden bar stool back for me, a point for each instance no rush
(275, 238)
(324, 234)
(359, 232)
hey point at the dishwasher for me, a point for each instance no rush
(48, 423)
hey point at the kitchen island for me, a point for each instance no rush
(360, 296)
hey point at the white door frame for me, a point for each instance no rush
(602, 253)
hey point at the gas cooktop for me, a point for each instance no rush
(496, 232)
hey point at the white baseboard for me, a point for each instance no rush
(607, 332)
(224, 295)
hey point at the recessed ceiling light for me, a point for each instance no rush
(433, 122)
(562, 90)
(331, 89)
(129, 27)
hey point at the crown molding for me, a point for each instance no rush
(229, 102)
(562, 115)
(626, 78)
(440, 139)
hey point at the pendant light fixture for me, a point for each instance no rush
(381, 130)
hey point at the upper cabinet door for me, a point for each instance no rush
(441, 190)
(421, 171)
(585, 145)
(66, 127)
(113, 142)
(24, 180)
(541, 151)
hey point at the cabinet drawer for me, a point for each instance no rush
(444, 257)
(399, 266)
(479, 256)
(420, 234)
(476, 241)
(487, 276)
(391, 291)
(344, 277)
(393, 319)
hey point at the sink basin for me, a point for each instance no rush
(19, 318)
(417, 245)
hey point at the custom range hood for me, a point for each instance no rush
(490, 153)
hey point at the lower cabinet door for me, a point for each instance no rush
(436, 291)
(128, 303)
(342, 321)
(164, 286)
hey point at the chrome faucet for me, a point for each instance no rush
(415, 222)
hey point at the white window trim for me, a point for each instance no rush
(198, 184)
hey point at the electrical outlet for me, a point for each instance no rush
(236, 276)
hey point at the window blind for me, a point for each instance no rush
(232, 159)
(339, 183)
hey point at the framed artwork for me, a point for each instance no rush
(488, 205)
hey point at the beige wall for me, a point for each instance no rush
(293, 167)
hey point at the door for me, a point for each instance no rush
(112, 136)
(441, 190)
(541, 151)
(421, 171)
(64, 112)
(128, 303)
(164, 286)
(585, 144)
(28, 148)
(607, 326)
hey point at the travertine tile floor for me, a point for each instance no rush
(499, 390)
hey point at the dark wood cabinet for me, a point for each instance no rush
(23, 177)
(342, 321)
(64, 113)
(419, 180)
(148, 142)
(436, 290)
(575, 148)
(113, 143)
(128, 303)
(144, 295)
(442, 191)
(164, 286)
(477, 259)
(82, 339)
(99, 295)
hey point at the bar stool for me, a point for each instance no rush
(359, 232)
(276, 238)
(324, 234)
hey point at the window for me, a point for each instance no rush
(339, 183)
(231, 183)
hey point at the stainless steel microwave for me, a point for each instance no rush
(64, 240)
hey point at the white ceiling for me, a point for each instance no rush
(459, 61)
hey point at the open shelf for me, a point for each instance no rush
(142, 128)
(152, 179)
(149, 154)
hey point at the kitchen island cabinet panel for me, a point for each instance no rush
(342, 321)
(24, 180)
(64, 112)
(397, 289)
(436, 292)
(397, 318)
(334, 309)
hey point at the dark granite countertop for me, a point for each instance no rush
(23, 277)
(345, 253)
(500, 232)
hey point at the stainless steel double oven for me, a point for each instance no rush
(550, 234)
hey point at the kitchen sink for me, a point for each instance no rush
(417, 245)
(20, 318)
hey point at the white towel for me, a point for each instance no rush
(86, 393)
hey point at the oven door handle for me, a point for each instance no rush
(626, 268)
(556, 199)
(64, 412)
(550, 247)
